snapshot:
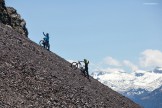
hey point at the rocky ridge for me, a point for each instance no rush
(10, 17)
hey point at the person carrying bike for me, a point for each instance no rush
(46, 40)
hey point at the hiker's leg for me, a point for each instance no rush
(87, 74)
(48, 46)
(84, 72)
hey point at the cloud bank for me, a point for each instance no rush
(111, 61)
(130, 65)
(148, 59)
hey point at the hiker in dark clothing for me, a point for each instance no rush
(86, 62)
(46, 39)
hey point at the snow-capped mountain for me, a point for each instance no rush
(124, 82)
(143, 87)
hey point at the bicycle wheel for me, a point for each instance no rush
(41, 43)
(74, 65)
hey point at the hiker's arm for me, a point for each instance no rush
(44, 34)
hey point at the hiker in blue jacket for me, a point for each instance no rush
(46, 39)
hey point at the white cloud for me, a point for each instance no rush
(112, 70)
(151, 58)
(130, 65)
(151, 4)
(116, 64)
(111, 61)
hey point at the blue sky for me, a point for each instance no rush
(109, 33)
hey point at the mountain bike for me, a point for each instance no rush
(80, 66)
(77, 65)
(44, 44)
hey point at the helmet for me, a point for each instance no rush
(86, 61)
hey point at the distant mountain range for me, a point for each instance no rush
(143, 87)
(150, 100)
